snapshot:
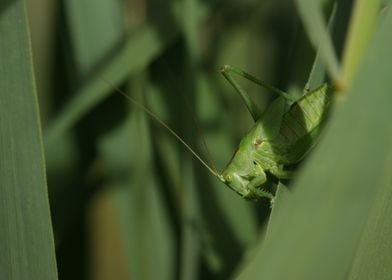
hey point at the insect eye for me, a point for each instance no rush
(257, 142)
(228, 178)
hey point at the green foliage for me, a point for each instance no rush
(26, 237)
(128, 201)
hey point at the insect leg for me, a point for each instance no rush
(227, 70)
(255, 191)
(282, 174)
(250, 104)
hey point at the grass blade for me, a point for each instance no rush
(317, 73)
(26, 239)
(361, 29)
(314, 23)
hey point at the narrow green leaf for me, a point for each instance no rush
(26, 239)
(314, 23)
(364, 19)
(317, 73)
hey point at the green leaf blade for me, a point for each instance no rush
(26, 239)
(317, 29)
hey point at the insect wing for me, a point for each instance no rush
(271, 121)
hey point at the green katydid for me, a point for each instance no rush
(280, 137)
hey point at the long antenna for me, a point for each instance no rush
(161, 122)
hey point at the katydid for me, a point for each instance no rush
(280, 137)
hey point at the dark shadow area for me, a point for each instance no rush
(5, 4)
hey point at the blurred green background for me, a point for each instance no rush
(128, 201)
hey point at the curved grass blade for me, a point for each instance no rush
(362, 26)
(317, 73)
(314, 23)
